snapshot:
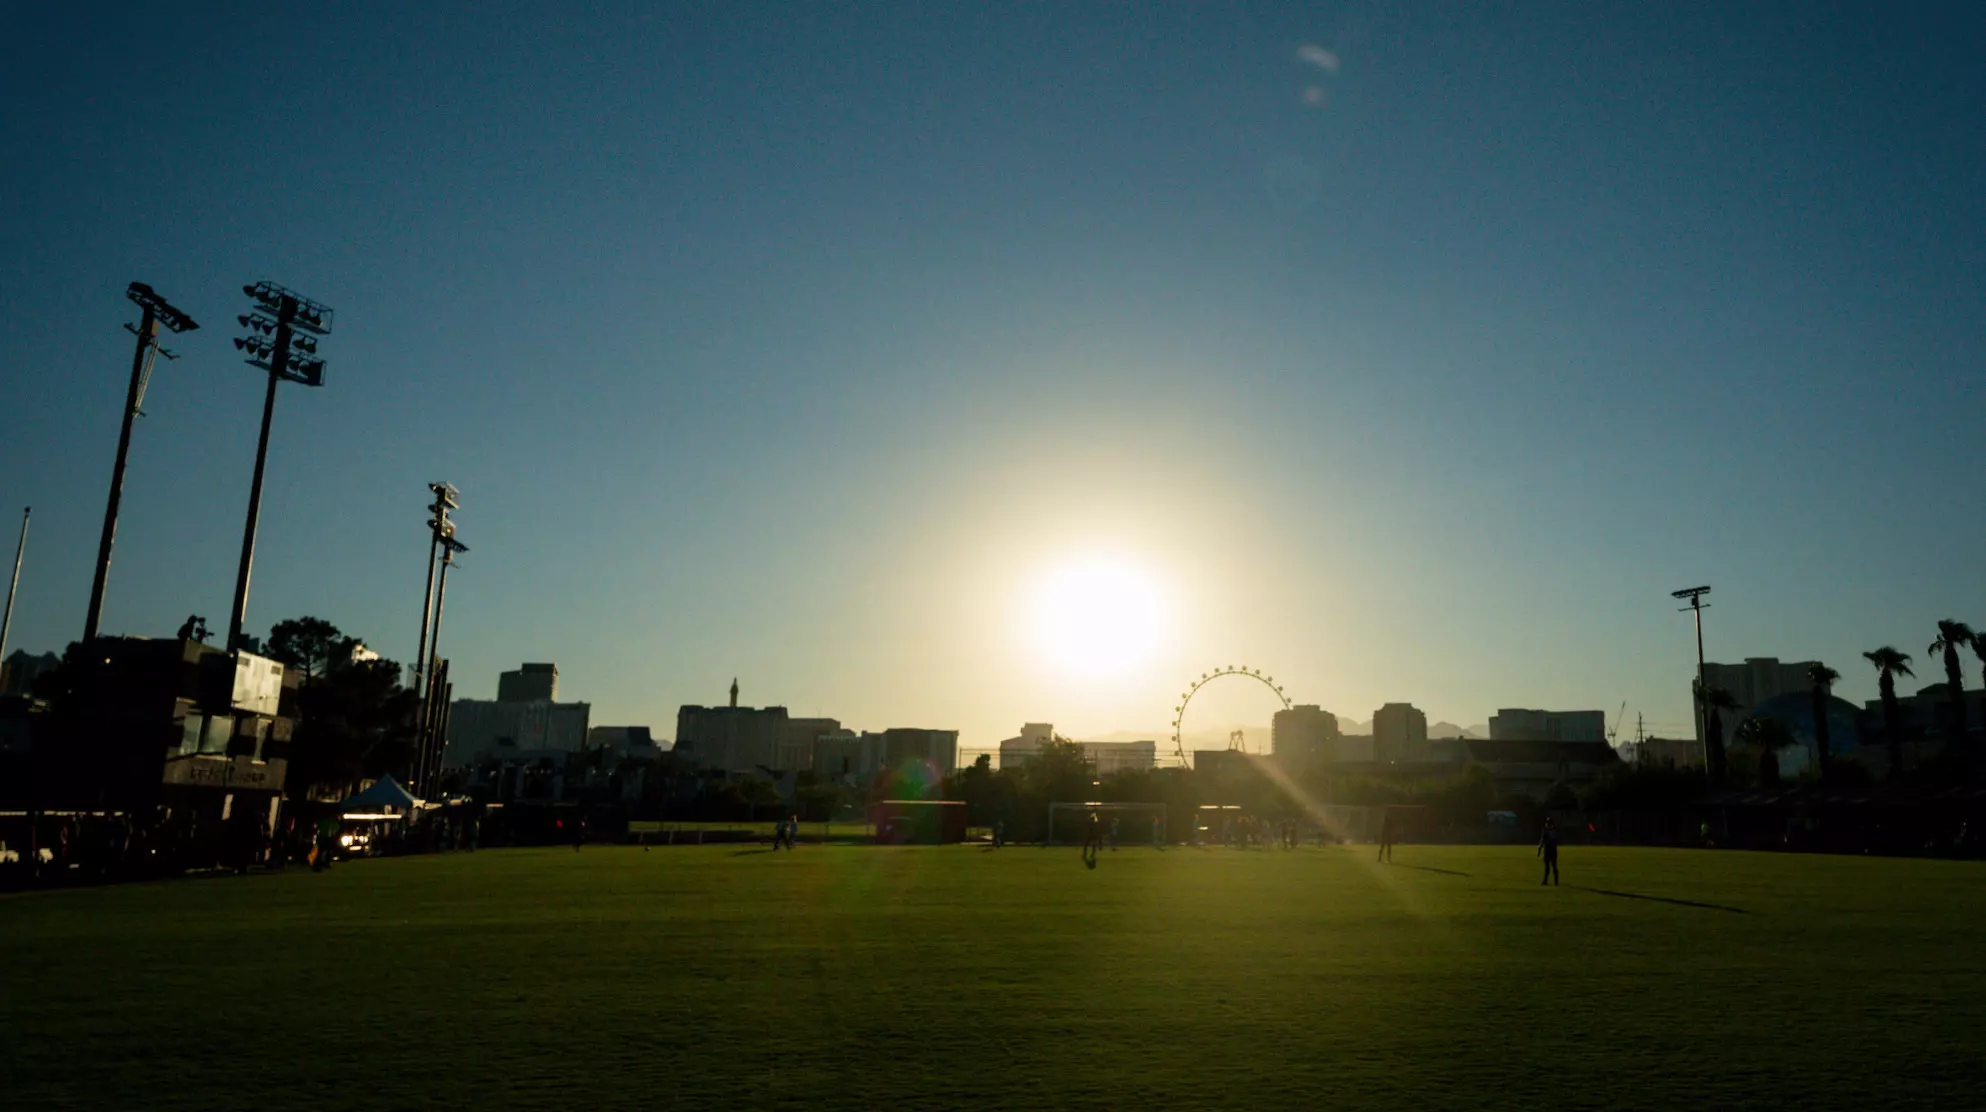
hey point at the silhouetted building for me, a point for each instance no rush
(1530, 767)
(797, 739)
(1220, 762)
(1682, 752)
(1106, 756)
(1016, 751)
(1304, 737)
(530, 683)
(847, 757)
(1548, 725)
(1928, 713)
(17, 675)
(166, 722)
(623, 742)
(493, 729)
(936, 750)
(749, 740)
(1399, 733)
(1758, 680)
(524, 721)
(1121, 756)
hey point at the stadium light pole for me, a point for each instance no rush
(154, 312)
(283, 328)
(427, 753)
(439, 529)
(20, 549)
(1696, 607)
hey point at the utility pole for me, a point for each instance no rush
(285, 344)
(1696, 607)
(155, 312)
(7, 622)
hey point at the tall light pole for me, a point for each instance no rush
(283, 328)
(439, 529)
(1696, 607)
(434, 707)
(7, 622)
(155, 312)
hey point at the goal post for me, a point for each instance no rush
(1136, 824)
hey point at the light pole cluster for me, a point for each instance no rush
(430, 671)
(156, 311)
(283, 329)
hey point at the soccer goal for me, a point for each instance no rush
(1131, 824)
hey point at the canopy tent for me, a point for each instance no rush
(384, 792)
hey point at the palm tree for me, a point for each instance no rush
(1715, 700)
(1979, 650)
(1822, 678)
(1953, 636)
(1770, 735)
(1889, 665)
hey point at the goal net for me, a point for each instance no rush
(1124, 824)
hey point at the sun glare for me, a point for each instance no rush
(1098, 618)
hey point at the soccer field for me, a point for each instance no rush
(957, 977)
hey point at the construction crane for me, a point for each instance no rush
(1613, 734)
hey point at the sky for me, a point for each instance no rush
(960, 365)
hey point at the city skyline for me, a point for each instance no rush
(1408, 356)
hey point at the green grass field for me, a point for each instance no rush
(956, 977)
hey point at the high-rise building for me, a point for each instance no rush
(485, 729)
(532, 681)
(1516, 724)
(1399, 733)
(936, 750)
(1305, 736)
(525, 717)
(797, 738)
(732, 739)
(1757, 680)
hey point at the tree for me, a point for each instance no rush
(1889, 665)
(313, 645)
(354, 722)
(1953, 636)
(1822, 679)
(1715, 701)
(1769, 736)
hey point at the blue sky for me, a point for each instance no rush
(802, 343)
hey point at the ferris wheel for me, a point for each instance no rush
(1179, 712)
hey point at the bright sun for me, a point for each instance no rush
(1098, 618)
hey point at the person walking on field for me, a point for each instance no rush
(1386, 836)
(1548, 849)
(1092, 839)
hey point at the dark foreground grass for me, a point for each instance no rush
(860, 978)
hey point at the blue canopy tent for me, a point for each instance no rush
(385, 792)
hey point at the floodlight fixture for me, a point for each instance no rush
(149, 300)
(273, 344)
(157, 313)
